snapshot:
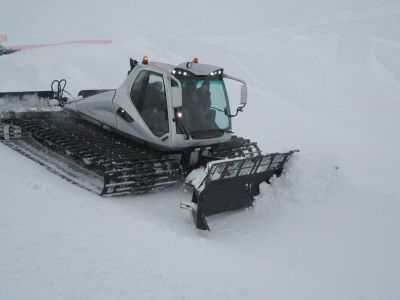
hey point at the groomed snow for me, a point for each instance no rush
(323, 77)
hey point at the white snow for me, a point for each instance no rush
(323, 77)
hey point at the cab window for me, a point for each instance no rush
(148, 96)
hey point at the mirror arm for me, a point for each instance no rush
(242, 101)
(239, 109)
(236, 79)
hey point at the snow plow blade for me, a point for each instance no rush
(232, 184)
(34, 100)
(29, 100)
(28, 95)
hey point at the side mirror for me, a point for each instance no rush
(243, 94)
(176, 93)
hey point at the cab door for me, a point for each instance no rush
(149, 110)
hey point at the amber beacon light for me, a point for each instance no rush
(145, 60)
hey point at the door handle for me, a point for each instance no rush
(124, 115)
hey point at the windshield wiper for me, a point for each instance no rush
(221, 110)
(212, 130)
(181, 127)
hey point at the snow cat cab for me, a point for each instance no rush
(169, 107)
(164, 123)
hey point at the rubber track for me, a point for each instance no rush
(125, 166)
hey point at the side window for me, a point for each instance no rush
(148, 95)
(138, 88)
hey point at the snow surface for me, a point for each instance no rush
(323, 76)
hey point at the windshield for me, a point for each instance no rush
(205, 107)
